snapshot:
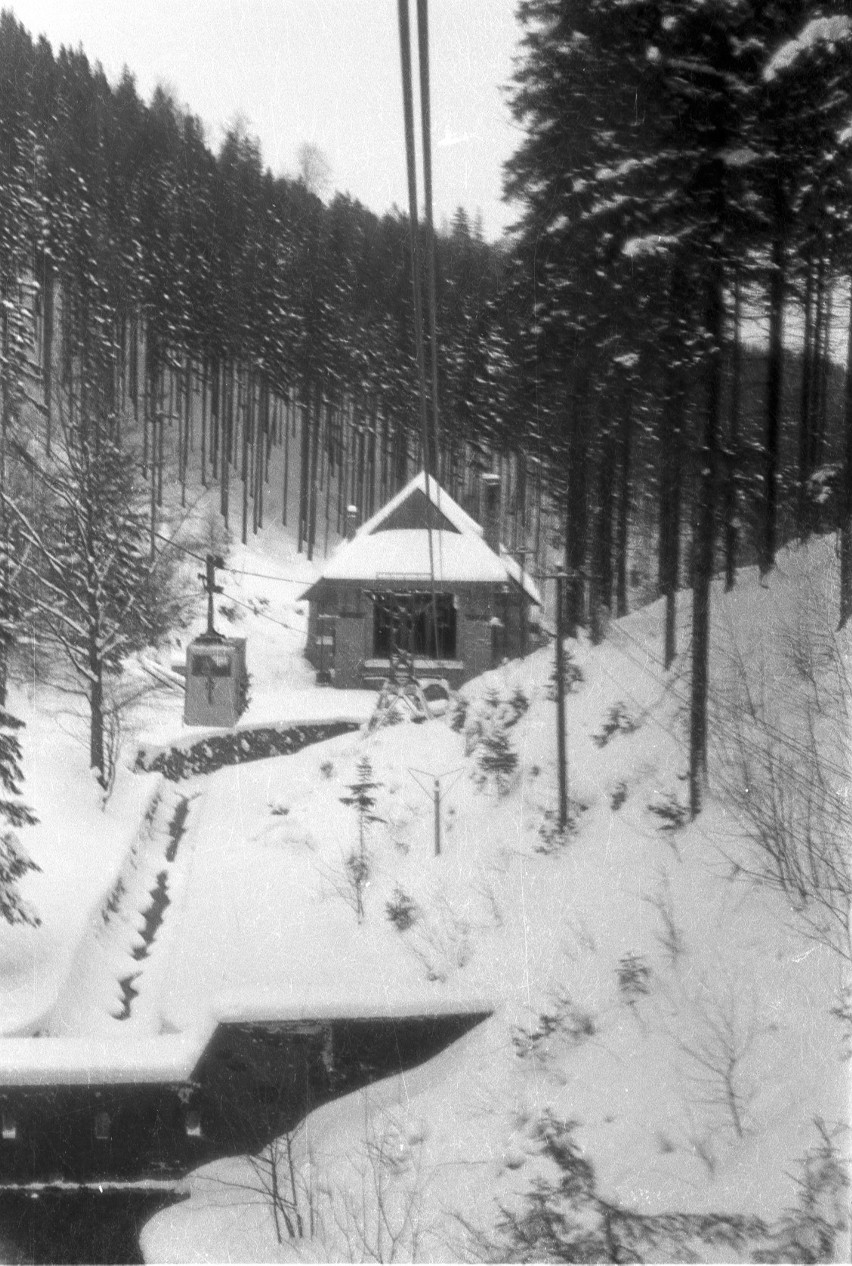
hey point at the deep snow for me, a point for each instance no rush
(546, 927)
(508, 913)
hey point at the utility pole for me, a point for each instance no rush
(435, 795)
(209, 578)
(561, 753)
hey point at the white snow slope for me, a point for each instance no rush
(649, 988)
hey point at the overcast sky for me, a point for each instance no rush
(324, 71)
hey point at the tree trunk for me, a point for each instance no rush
(187, 415)
(96, 724)
(286, 473)
(846, 490)
(150, 415)
(601, 581)
(814, 382)
(205, 366)
(246, 467)
(215, 417)
(823, 368)
(624, 487)
(703, 547)
(733, 453)
(5, 595)
(47, 350)
(577, 517)
(769, 541)
(225, 441)
(312, 507)
(96, 666)
(161, 441)
(671, 475)
(305, 463)
(133, 365)
(802, 517)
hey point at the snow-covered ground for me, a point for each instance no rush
(649, 989)
(646, 987)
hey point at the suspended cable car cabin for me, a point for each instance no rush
(420, 581)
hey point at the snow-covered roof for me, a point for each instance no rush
(522, 578)
(68, 1061)
(442, 501)
(822, 30)
(459, 557)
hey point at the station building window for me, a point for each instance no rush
(405, 621)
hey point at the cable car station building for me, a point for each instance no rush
(375, 596)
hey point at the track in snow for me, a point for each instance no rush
(117, 969)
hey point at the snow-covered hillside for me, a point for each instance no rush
(663, 1039)
(663, 1046)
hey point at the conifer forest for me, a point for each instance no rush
(513, 915)
(174, 313)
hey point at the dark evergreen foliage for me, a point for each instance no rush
(679, 163)
(673, 154)
(14, 862)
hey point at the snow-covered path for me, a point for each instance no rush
(113, 985)
(228, 906)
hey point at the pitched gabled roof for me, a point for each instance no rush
(440, 499)
(459, 555)
(521, 578)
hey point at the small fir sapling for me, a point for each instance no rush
(564, 1217)
(357, 869)
(362, 799)
(14, 862)
(634, 978)
(358, 866)
(551, 837)
(496, 760)
(458, 713)
(618, 796)
(517, 706)
(572, 674)
(618, 721)
(565, 1019)
(402, 910)
(672, 814)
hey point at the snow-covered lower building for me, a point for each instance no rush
(424, 578)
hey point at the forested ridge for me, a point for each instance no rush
(176, 314)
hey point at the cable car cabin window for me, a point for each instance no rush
(405, 622)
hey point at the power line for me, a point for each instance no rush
(413, 224)
(260, 575)
(236, 571)
(262, 614)
(176, 545)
